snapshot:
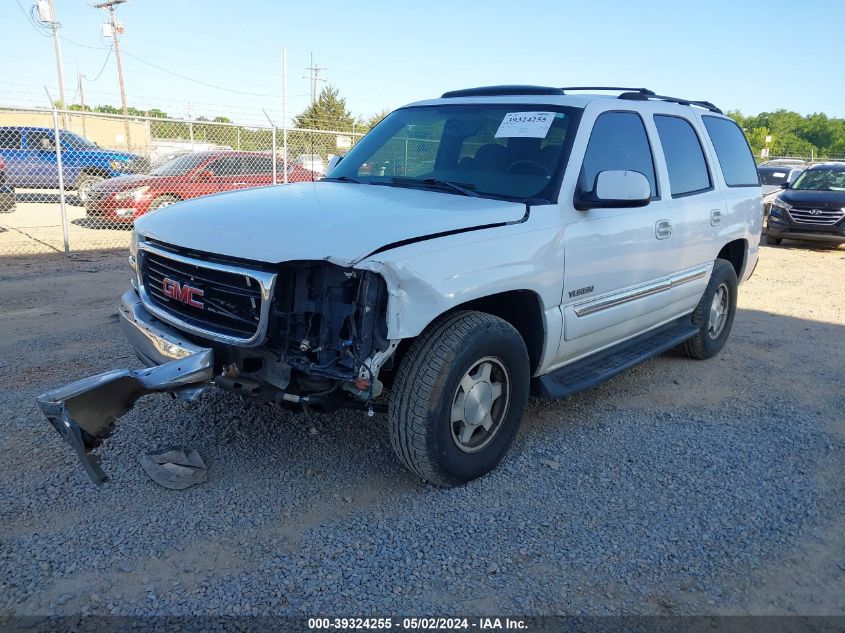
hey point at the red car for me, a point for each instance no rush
(125, 198)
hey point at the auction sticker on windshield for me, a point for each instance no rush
(525, 125)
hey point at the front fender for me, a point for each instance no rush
(430, 278)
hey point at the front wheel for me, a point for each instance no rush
(458, 398)
(84, 184)
(773, 241)
(714, 314)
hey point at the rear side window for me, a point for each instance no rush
(41, 141)
(688, 173)
(10, 139)
(618, 141)
(734, 154)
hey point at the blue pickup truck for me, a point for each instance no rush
(30, 157)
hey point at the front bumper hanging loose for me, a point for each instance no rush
(84, 412)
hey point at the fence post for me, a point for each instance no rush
(61, 179)
(274, 153)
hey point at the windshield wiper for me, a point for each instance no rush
(462, 189)
(343, 179)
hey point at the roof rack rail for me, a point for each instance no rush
(640, 96)
(643, 91)
(497, 91)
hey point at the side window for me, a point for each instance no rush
(10, 139)
(618, 141)
(734, 154)
(256, 165)
(226, 166)
(685, 161)
(42, 141)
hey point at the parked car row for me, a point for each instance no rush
(125, 198)
(811, 207)
(118, 186)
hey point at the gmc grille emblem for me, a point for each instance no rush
(182, 292)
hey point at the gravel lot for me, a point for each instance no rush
(679, 487)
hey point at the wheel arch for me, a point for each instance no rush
(735, 252)
(523, 309)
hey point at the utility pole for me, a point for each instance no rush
(79, 78)
(284, 115)
(116, 29)
(313, 71)
(49, 16)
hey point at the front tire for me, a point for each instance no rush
(714, 314)
(773, 241)
(458, 398)
(84, 184)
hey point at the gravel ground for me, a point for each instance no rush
(680, 487)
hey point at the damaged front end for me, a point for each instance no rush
(84, 412)
(308, 333)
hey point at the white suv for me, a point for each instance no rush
(468, 251)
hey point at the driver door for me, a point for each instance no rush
(618, 259)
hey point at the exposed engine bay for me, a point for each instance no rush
(325, 322)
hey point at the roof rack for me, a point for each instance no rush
(644, 94)
(643, 91)
(496, 91)
(629, 94)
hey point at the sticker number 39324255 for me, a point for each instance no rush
(525, 125)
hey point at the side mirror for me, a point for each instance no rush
(616, 189)
(784, 185)
(333, 161)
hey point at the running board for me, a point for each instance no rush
(591, 371)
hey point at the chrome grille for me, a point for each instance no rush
(234, 302)
(817, 216)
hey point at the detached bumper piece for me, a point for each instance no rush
(84, 412)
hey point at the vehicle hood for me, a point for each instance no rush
(814, 199)
(122, 183)
(341, 222)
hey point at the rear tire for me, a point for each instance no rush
(714, 314)
(458, 398)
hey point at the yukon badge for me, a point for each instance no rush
(182, 292)
(580, 291)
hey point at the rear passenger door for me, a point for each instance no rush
(40, 168)
(694, 207)
(617, 261)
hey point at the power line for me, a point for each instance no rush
(197, 81)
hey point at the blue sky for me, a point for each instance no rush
(384, 54)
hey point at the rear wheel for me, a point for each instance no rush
(84, 184)
(163, 201)
(714, 314)
(458, 398)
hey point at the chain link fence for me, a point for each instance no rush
(73, 181)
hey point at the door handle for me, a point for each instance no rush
(662, 229)
(715, 217)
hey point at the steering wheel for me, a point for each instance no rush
(545, 171)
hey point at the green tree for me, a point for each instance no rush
(327, 113)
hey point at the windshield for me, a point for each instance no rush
(513, 152)
(75, 141)
(180, 165)
(775, 175)
(820, 180)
